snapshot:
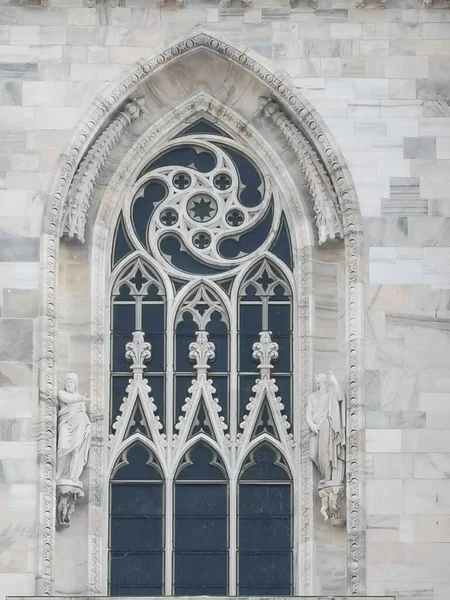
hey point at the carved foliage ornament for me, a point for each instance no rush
(304, 119)
(73, 221)
(326, 204)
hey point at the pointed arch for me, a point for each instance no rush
(156, 127)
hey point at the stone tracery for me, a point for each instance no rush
(350, 213)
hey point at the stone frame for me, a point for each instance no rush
(304, 117)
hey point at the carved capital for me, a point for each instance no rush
(326, 204)
(73, 220)
(201, 352)
(265, 351)
(138, 351)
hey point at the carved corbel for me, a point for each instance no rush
(74, 214)
(427, 3)
(326, 204)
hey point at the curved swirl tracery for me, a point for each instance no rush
(202, 206)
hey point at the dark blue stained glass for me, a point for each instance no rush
(283, 363)
(201, 573)
(249, 176)
(284, 392)
(201, 464)
(185, 334)
(282, 245)
(201, 517)
(251, 240)
(226, 285)
(124, 293)
(182, 384)
(122, 245)
(280, 292)
(136, 517)
(265, 539)
(218, 334)
(123, 325)
(118, 387)
(178, 257)
(136, 574)
(201, 539)
(153, 293)
(153, 325)
(280, 318)
(184, 156)
(265, 573)
(250, 324)
(262, 465)
(264, 514)
(202, 126)
(138, 468)
(143, 207)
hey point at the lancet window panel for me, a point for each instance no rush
(202, 323)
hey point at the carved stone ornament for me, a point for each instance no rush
(74, 440)
(102, 111)
(73, 221)
(326, 204)
(325, 415)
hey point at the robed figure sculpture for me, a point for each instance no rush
(325, 416)
(74, 439)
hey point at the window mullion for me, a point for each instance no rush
(169, 399)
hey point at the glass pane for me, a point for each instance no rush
(200, 539)
(185, 334)
(144, 205)
(262, 465)
(122, 246)
(201, 574)
(250, 179)
(153, 324)
(221, 385)
(157, 385)
(136, 517)
(265, 573)
(201, 464)
(265, 543)
(123, 326)
(182, 384)
(136, 574)
(184, 156)
(249, 241)
(218, 334)
(137, 468)
(250, 324)
(200, 517)
(282, 245)
(202, 126)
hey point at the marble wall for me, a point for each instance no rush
(380, 80)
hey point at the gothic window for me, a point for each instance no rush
(201, 377)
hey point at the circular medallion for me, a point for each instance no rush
(201, 208)
(222, 181)
(168, 217)
(201, 240)
(181, 181)
(235, 217)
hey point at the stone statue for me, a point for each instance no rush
(325, 415)
(74, 439)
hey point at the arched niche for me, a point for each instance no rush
(200, 77)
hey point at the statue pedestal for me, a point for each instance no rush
(331, 494)
(67, 493)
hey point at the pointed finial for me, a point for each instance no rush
(201, 352)
(265, 351)
(138, 351)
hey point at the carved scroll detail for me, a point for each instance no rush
(326, 204)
